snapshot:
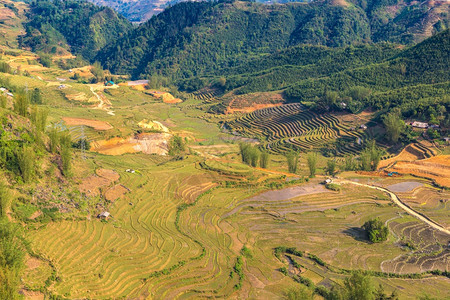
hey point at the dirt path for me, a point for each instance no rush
(102, 104)
(402, 205)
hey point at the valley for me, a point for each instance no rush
(130, 171)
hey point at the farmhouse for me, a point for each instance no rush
(363, 127)
(104, 215)
(419, 124)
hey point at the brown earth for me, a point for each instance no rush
(95, 124)
(436, 168)
(32, 295)
(251, 102)
(166, 97)
(108, 174)
(92, 184)
(33, 263)
(148, 143)
(115, 192)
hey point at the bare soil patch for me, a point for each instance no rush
(33, 263)
(92, 184)
(166, 97)
(115, 192)
(251, 102)
(148, 143)
(32, 295)
(108, 174)
(95, 124)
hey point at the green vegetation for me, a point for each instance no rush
(79, 26)
(376, 230)
(312, 163)
(225, 30)
(176, 145)
(394, 126)
(292, 161)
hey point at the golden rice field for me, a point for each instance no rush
(121, 257)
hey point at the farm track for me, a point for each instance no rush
(402, 205)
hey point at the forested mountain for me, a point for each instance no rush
(197, 39)
(142, 10)
(79, 26)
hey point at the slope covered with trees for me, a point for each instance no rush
(78, 26)
(197, 39)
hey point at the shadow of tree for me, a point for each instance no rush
(358, 234)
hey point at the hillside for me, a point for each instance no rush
(142, 10)
(192, 39)
(76, 26)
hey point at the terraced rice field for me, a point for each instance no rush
(291, 126)
(206, 95)
(431, 251)
(152, 249)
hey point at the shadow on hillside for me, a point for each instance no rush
(357, 233)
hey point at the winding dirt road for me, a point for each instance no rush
(402, 205)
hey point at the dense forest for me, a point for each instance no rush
(78, 26)
(197, 39)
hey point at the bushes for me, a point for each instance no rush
(176, 145)
(376, 230)
(333, 187)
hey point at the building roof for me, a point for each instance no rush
(104, 214)
(419, 124)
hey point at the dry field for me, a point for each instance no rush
(95, 124)
(436, 168)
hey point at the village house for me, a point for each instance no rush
(419, 125)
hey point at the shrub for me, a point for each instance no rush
(376, 230)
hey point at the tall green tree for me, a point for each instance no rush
(26, 159)
(264, 160)
(394, 126)
(36, 97)
(292, 161)
(312, 163)
(21, 103)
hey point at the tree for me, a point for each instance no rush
(312, 164)
(36, 97)
(66, 161)
(264, 160)
(358, 287)
(39, 117)
(21, 104)
(292, 161)
(331, 167)
(176, 145)
(299, 293)
(376, 230)
(53, 135)
(394, 126)
(26, 160)
(370, 157)
(254, 156)
(381, 295)
(4, 199)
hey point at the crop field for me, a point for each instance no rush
(291, 126)
(179, 226)
(151, 248)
